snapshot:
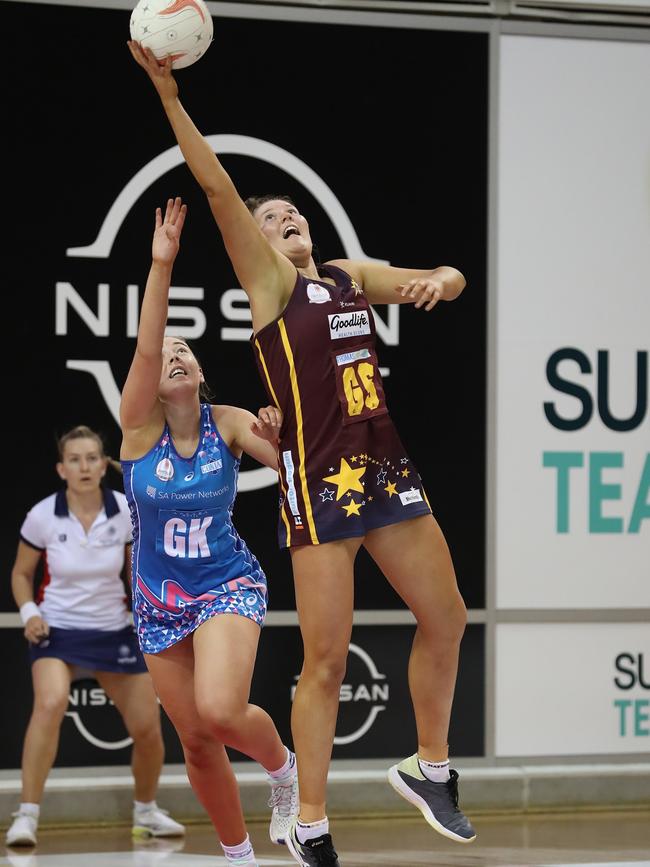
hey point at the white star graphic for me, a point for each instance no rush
(327, 495)
(381, 477)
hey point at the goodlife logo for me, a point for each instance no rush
(101, 248)
(374, 691)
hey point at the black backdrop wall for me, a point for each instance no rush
(394, 121)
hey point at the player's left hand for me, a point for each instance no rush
(268, 423)
(425, 291)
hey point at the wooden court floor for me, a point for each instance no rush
(616, 839)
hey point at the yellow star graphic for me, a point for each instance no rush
(352, 508)
(353, 459)
(370, 499)
(405, 473)
(390, 488)
(346, 479)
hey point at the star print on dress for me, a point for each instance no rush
(352, 508)
(390, 489)
(346, 479)
(381, 476)
(326, 495)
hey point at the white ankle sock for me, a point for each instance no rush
(240, 852)
(33, 810)
(141, 806)
(288, 769)
(437, 772)
(310, 830)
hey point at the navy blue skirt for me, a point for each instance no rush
(93, 649)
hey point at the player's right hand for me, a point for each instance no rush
(159, 71)
(36, 629)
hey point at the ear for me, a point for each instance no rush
(60, 470)
(201, 377)
(105, 460)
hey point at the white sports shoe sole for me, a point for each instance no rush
(413, 798)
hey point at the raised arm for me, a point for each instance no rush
(140, 409)
(384, 284)
(264, 273)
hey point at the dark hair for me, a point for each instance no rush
(205, 392)
(254, 202)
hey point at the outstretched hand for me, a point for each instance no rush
(167, 235)
(424, 291)
(267, 424)
(159, 71)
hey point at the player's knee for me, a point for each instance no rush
(221, 715)
(50, 708)
(327, 669)
(146, 731)
(197, 746)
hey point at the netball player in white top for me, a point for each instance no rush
(80, 619)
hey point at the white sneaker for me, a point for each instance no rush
(155, 823)
(284, 801)
(23, 830)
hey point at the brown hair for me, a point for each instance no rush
(82, 431)
(254, 202)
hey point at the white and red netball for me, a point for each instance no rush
(181, 28)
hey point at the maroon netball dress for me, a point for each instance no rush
(343, 468)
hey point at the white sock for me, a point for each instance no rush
(239, 853)
(33, 810)
(437, 772)
(288, 769)
(310, 830)
(142, 806)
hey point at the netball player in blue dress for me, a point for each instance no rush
(79, 619)
(199, 594)
(345, 478)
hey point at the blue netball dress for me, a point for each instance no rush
(188, 561)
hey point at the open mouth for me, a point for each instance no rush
(177, 371)
(289, 231)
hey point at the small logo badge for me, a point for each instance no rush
(62, 537)
(151, 491)
(189, 477)
(412, 496)
(165, 470)
(212, 467)
(317, 294)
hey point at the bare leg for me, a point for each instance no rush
(208, 766)
(51, 679)
(414, 556)
(136, 701)
(324, 580)
(222, 693)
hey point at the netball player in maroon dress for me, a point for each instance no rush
(345, 477)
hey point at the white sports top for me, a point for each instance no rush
(82, 587)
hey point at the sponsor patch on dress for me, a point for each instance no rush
(212, 466)
(318, 294)
(349, 357)
(413, 496)
(353, 324)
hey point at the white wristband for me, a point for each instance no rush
(29, 610)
